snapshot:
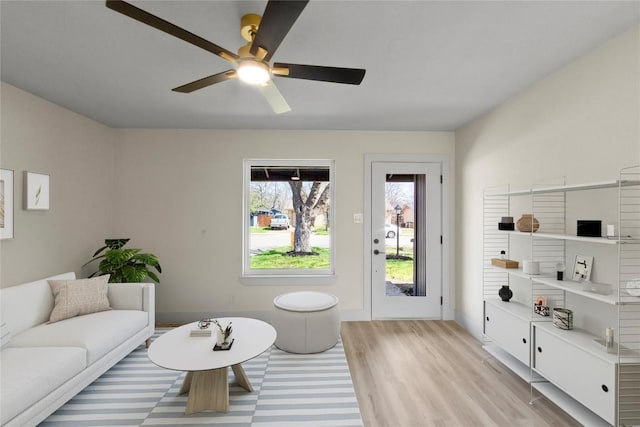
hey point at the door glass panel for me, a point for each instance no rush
(404, 224)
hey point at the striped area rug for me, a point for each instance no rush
(289, 390)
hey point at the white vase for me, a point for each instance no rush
(530, 267)
(219, 337)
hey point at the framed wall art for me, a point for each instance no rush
(36, 191)
(582, 268)
(6, 204)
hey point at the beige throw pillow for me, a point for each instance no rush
(77, 297)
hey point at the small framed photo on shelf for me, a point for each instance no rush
(6, 204)
(36, 191)
(582, 268)
(540, 306)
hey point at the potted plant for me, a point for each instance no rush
(125, 265)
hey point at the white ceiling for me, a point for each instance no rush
(430, 65)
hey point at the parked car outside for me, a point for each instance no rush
(280, 221)
(390, 231)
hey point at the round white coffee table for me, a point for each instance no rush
(207, 370)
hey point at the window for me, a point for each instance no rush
(288, 208)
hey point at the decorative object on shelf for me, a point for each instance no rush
(506, 223)
(608, 341)
(503, 255)
(582, 268)
(540, 306)
(504, 263)
(505, 293)
(528, 223)
(611, 230)
(6, 204)
(530, 267)
(589, 228)
(633, 287)
(542, 310)
(560, 267)
(223, 336)
(36, 191)
(563, 318)
(125, 265)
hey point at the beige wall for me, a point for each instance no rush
(77, 154)
(179, 194)
(581, 122)
(176, 193)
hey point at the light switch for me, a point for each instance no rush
(357, 218)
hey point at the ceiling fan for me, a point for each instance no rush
(264, 35)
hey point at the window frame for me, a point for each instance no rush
(286, 276)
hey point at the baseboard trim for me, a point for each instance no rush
(474, 328)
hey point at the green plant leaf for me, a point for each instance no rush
(115, 243)
(153, 276)
(99, 250)
(94, 259)
(134, 274)
(125, 265)
(149, 259)
(119, 257)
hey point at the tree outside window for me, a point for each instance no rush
(289, 215)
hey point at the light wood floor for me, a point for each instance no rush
(410, 373)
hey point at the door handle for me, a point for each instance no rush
(377, 252)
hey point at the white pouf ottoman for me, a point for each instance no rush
(306, 322)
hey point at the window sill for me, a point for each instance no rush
(289, 280)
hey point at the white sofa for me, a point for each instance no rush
(43, 365)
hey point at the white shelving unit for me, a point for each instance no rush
(595, 387)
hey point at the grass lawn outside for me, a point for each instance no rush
(399, 270)
(276, 259)
(321, 231)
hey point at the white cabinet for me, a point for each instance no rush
(589, 379)
(569, 366)
(507, 324)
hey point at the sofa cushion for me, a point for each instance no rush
(30, 373)
(99, 333)
(78, 297)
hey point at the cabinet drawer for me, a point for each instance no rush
(587, 378)
(508, 331)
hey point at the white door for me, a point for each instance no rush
(406, 246)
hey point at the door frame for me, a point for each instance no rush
(443, 160)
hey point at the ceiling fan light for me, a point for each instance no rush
(253, 72)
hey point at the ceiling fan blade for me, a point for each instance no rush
(277, 19)
(146, 18)
(206, 81)
(274, 97)
(351, 76)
